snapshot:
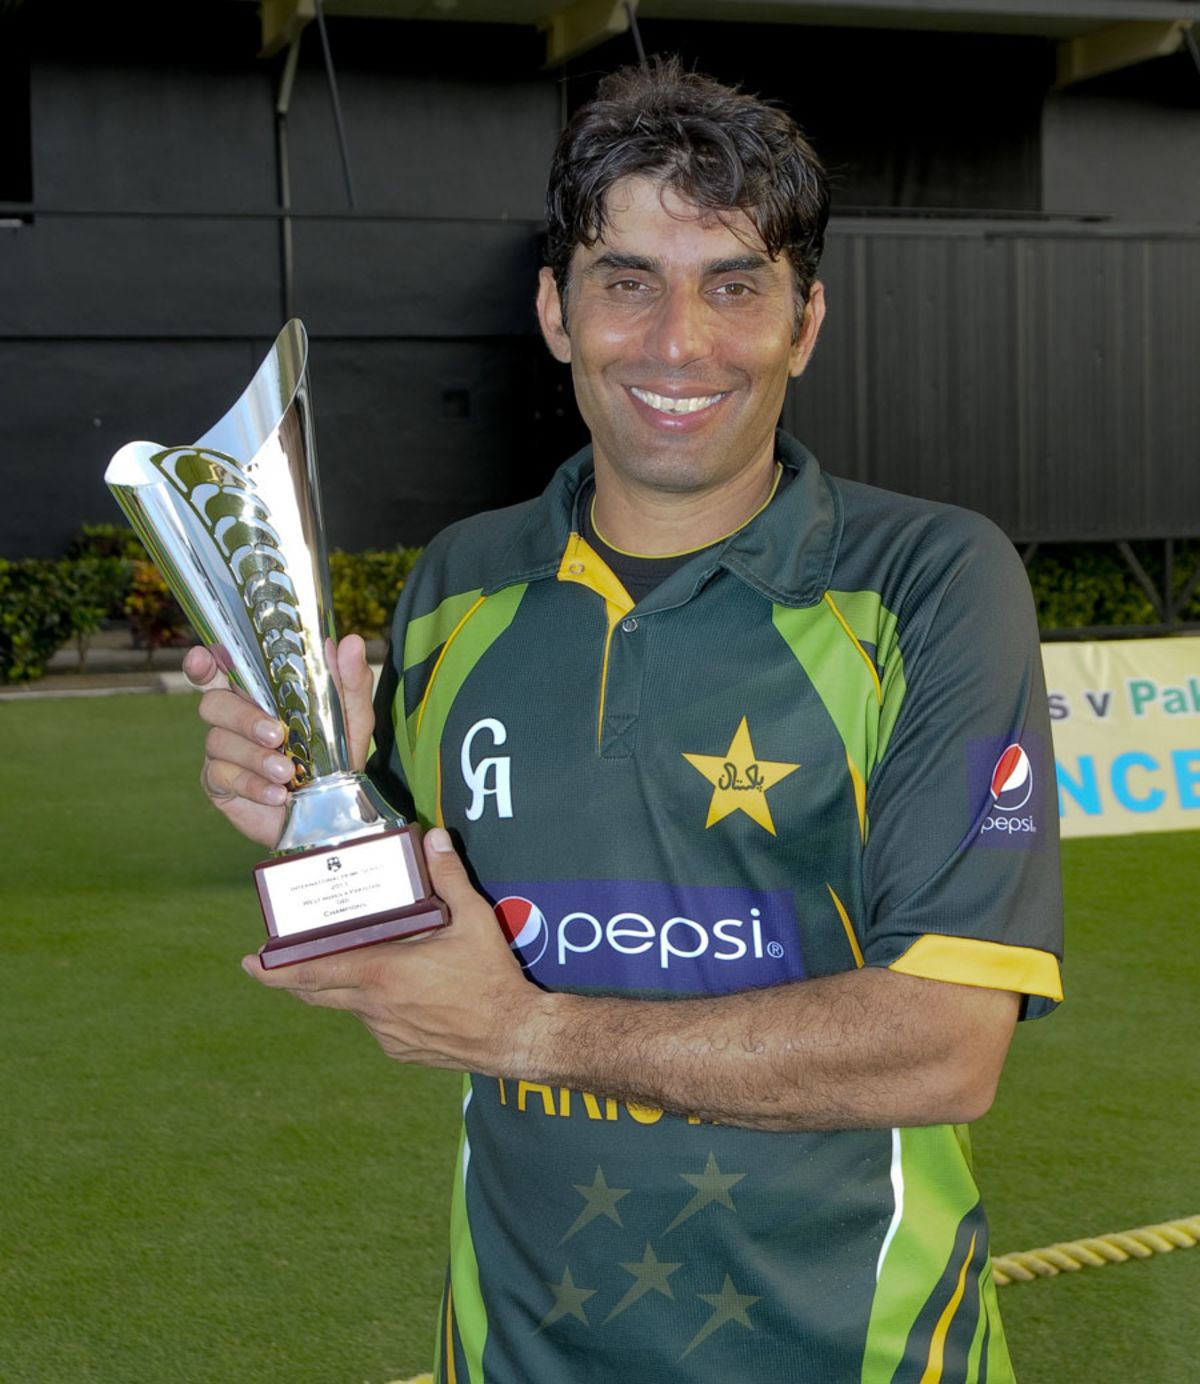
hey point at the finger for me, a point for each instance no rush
(222, 780)
(201, 670)
(230, 711)
(328, 981)
(447, 873)
(357, 689)
(230, 748)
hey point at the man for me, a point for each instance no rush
(752, 767)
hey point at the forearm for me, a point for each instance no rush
(869, 1048)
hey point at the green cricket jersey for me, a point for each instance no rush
(820, 744)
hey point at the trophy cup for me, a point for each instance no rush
(233, 522)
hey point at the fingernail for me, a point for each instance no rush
(269, 732)
(281, 769)
(439, 840)
(275, 794)
(251, 965)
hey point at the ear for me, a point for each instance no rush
(550, 317)
(810, 329)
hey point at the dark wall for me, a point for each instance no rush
(16, 166)
(901, 118)
(1127, 145)
(1037, 371)
(142, 305)
(1044, 377)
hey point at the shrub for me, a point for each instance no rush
(1078, 585)
(365, 587)
(154, 614)
(117, 548)
(97, 587)
(35, 617)
(106, 540)
(1086, 584)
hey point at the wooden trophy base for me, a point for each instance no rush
(336, 898)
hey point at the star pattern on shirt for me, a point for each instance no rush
(599, 1200)
(568, 1301)
(740, 780)
(650, 1274)
(711, 1185)
(728, 1306)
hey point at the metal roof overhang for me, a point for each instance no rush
(1094, 36)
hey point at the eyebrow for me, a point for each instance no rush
(738, 264)
(613, 259)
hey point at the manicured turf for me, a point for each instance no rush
(1098, 1119)
(201, 1181)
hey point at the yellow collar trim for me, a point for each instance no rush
(583, 565)
(686, 552)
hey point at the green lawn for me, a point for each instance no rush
(1098, 1121)
(203, 1182)
(200, 1181)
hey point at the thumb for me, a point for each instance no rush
(447, 873)
(202, 670)
(356, 688)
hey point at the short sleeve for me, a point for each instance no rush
(961, 865)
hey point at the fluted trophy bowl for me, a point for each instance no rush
(233, 521)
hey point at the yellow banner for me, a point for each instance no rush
(1126, 720)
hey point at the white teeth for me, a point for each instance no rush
(665, 405)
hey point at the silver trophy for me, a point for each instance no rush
(233, 522)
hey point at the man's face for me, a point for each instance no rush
(681, 336)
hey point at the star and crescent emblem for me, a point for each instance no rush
(740, 780)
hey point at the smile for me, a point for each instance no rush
(665, 404)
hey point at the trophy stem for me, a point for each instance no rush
(333, 808)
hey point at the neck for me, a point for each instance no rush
(656, 523)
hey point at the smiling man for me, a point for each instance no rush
(751, 766)
(683, 335)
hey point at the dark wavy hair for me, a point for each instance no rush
(715, 146)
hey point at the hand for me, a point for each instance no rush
(243, 773)
(455, 998)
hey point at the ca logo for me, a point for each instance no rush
(491, 777)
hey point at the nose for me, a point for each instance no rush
(679, 331)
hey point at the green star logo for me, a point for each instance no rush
(650, 1274)
(711, 1185)
(599, 1200)
(728, 1306)
(568, 1302)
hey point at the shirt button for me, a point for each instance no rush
(629, 625)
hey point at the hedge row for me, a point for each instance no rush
(105, 575)
(46, 603)
(1083, 585)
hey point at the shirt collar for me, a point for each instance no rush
(786, 553)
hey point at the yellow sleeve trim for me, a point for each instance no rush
(992, 965)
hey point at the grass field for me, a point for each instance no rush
(201, 1181)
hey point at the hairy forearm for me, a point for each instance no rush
(869, 1048)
